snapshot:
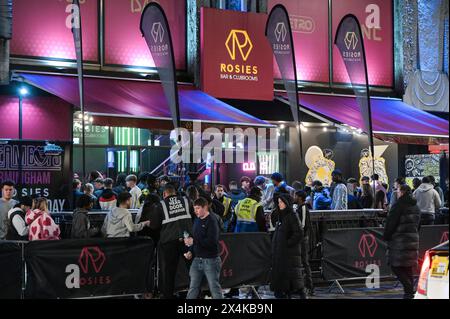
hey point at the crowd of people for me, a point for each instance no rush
(185, 221)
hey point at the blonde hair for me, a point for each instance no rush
(89, 188)
(41, 204)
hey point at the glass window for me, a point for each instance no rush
(129, 136)
(94, 135)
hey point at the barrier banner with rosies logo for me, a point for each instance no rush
(347, 253)
(11, 270)
(87, 268)
(246, 260)
(236, 57)
(431, 236)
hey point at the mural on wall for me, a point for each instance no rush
(320, 165)
(365, 164)
(428, 87)
(419, 166)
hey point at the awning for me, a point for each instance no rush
(390, 118)
(139, 99)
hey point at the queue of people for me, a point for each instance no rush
(185, 222)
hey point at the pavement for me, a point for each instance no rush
(387, 290)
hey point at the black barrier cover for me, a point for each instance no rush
(347, 252)
(431, 236)
(85, 268)
(246, 260)
(10, 270)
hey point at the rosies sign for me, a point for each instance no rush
(88, 270)
(236, 58)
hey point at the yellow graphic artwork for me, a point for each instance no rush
(320, 168)
(365, 168)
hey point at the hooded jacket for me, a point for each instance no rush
(427, 199)
(81, 227)
(108, 200)
(119, 223)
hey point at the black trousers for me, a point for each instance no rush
(169, 258)
(426, 219)
(305, 261)
(406, 276)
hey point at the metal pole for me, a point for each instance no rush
(19, 183)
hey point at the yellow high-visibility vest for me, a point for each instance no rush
(246, 210)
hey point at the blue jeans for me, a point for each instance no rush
(209, 267)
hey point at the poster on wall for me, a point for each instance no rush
(309, 24)
(43, 30)
(320, 166)
(237, 60)
(45, 170)
(419, 166)
(124, 44)
(376, 19)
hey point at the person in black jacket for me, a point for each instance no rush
(172, 219)
(81, 227)
(286, 275)
(402, 235)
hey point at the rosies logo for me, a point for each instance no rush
(367, 247)
(281, 35)
(353, 53)
(91, 261)
(239, 47)
(239, 40)
(157, 32)
(158, 48)
(444, 237)
(224, 254)
(351, 40)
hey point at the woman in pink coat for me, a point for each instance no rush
(42, 226)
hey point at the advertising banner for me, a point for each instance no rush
(349, 41)
(279, 34)
(45, 170)
(376, 18)
(431, 236)
(237, 61)
(246, 260)
(43, 29)
(87, 268)
(309, 24)
(156, 31)
(124, 44)
(11, 270)
(347, 253)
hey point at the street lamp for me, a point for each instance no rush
(23, 91)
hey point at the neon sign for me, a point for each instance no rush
(249, 167)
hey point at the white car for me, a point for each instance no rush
(433, 280)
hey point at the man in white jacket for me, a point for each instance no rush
(134, 191)
(119, 222)
(428, 201)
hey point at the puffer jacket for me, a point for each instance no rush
(286, 275)
(427, 198)
(402, 232)
(119, 223)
